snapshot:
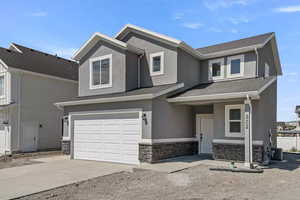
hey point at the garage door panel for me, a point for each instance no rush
(114, 140)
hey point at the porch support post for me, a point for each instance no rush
(248, 132)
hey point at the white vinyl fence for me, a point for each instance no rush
(287, 143)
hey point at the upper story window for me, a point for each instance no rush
(216, 69)
(235, 66)
(267, 70)
(2, 89)
(233, 120)
(101, 72)
(157, 63)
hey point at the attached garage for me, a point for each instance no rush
(112, 137)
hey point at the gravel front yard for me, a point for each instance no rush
(280, 181)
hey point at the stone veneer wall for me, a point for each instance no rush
(66, 147)
(236, 152)
(155, 152)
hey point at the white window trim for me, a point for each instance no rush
(227, 126)
(162, 63)
(2, 74)
(267, 70)
(229, 59)
(211, 62)
(110, 72)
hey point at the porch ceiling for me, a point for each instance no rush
(223, 91)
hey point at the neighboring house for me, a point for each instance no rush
(144, 96)
(30, 82)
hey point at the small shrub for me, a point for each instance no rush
(293, 149)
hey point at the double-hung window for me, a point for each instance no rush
(157, 63)
(216, 69)
(101, 72)
(267, 70)
(234, 120)
(235, 66)
(2, 86)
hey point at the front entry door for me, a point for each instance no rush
(205, 132)
(30, 136)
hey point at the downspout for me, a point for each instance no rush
(19, 111)
(257, 60)
(139, 69)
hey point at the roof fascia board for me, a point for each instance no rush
(126, 28)
(3, 63)
(12, 69)
(159, 37)
(267, 85)
(12, 46)
(253, 94)
(119, 99)
(93, 40)
(231, 51)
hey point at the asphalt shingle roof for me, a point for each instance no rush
(221, 87)
(139, 91)
(245, 42)
(39, 62)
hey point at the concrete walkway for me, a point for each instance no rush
(53, 172)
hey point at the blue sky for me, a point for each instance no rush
(61, 27)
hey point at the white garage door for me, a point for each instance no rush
(107, 137)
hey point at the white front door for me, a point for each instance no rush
(30, 136)
(205, 132)
(3, 139)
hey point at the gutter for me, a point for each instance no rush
(60, 105)
(257, 61)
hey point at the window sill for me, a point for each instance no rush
(100, 87)
(157, 74)
(235, 135)
(66, 139)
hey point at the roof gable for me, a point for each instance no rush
(92, 41)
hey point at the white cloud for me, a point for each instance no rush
(192, 25)
(215, 4)
(233, 30)
(178, 16)
(62, 52)
(288, 9)
(39, 14)
(216, 30)
(238, 20)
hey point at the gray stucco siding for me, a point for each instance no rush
(266, 56)
(154, 46)
(188, 69)
(172, 121)
(37, 105)
(264, 114)
(118, 69)
(249, 66)
(145, 106)
(131, 71)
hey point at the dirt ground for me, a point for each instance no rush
(279, 181)
(21, 160)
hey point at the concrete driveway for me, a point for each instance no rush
(53, 172)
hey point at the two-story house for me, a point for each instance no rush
(30, 82)
(144, 96)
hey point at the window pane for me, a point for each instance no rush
(156, 64)
(235, 127)
(235, 114)
(105, 71)
(1, 85)
(235, 66)
(216, 69)
(96, 73)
